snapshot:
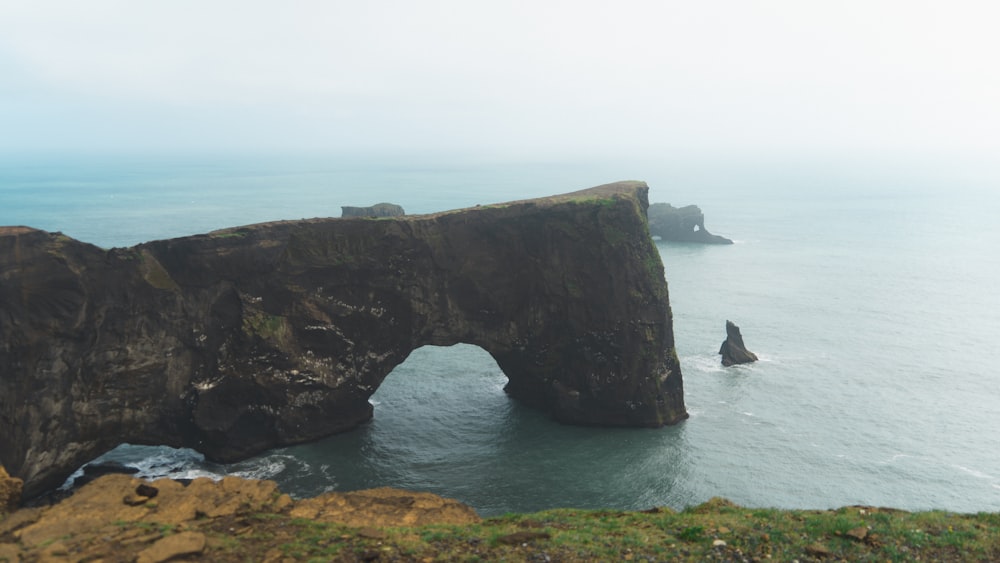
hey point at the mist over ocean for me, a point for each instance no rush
(870, 290)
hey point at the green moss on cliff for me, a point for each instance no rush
(230, 233)
(607, 201)
(273, 328)
(654, 265)
(574, 289)
(155, 274)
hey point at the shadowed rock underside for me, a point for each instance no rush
(253, 337)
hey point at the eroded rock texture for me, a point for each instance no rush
(119, 518)
(252, 337)
(681, 224)
(10, 491)
(733, 351)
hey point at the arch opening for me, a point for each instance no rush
(444, 388)
(442, 410)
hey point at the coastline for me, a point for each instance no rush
(840, 410)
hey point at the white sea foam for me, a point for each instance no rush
(893, 458)
(157, 462)
(701, 363)
(182, 474)
(267, 467)
(975, 473)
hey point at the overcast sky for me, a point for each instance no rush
(541, 77)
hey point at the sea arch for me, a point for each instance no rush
(248, 338)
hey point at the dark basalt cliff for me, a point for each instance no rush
(733, 350)
(277, 333)
(681, 224)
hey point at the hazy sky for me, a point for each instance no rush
(542, 77)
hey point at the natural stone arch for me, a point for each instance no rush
(683, 224)
(277, 333)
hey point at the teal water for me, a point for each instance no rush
(869, 290)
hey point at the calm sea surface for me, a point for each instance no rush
(871, 292)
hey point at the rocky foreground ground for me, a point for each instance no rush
(120, 518)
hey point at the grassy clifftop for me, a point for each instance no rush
(118, 518)
(712, 531)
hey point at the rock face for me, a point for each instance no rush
(184, 544)
(10, 491)
(733, 350)
(384, 507)
(681, 224)
(253, 337)
(377, 210)
(110, 508)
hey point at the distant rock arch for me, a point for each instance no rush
(248, 338)
(681, 224)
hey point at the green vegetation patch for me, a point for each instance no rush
(605, 201)
(273, 328)
(230, 233)
(715, 530)
(155, 274)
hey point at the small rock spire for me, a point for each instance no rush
(733, 350)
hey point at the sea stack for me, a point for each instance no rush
(733, 350)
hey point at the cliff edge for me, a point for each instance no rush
(248, 338)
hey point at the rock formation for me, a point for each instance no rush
(10, 491)
(377, 210)
(113, 508)
(253, 337)
(733, 350)
(681, 224)
(92, 471)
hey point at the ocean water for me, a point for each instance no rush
(868, 288)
